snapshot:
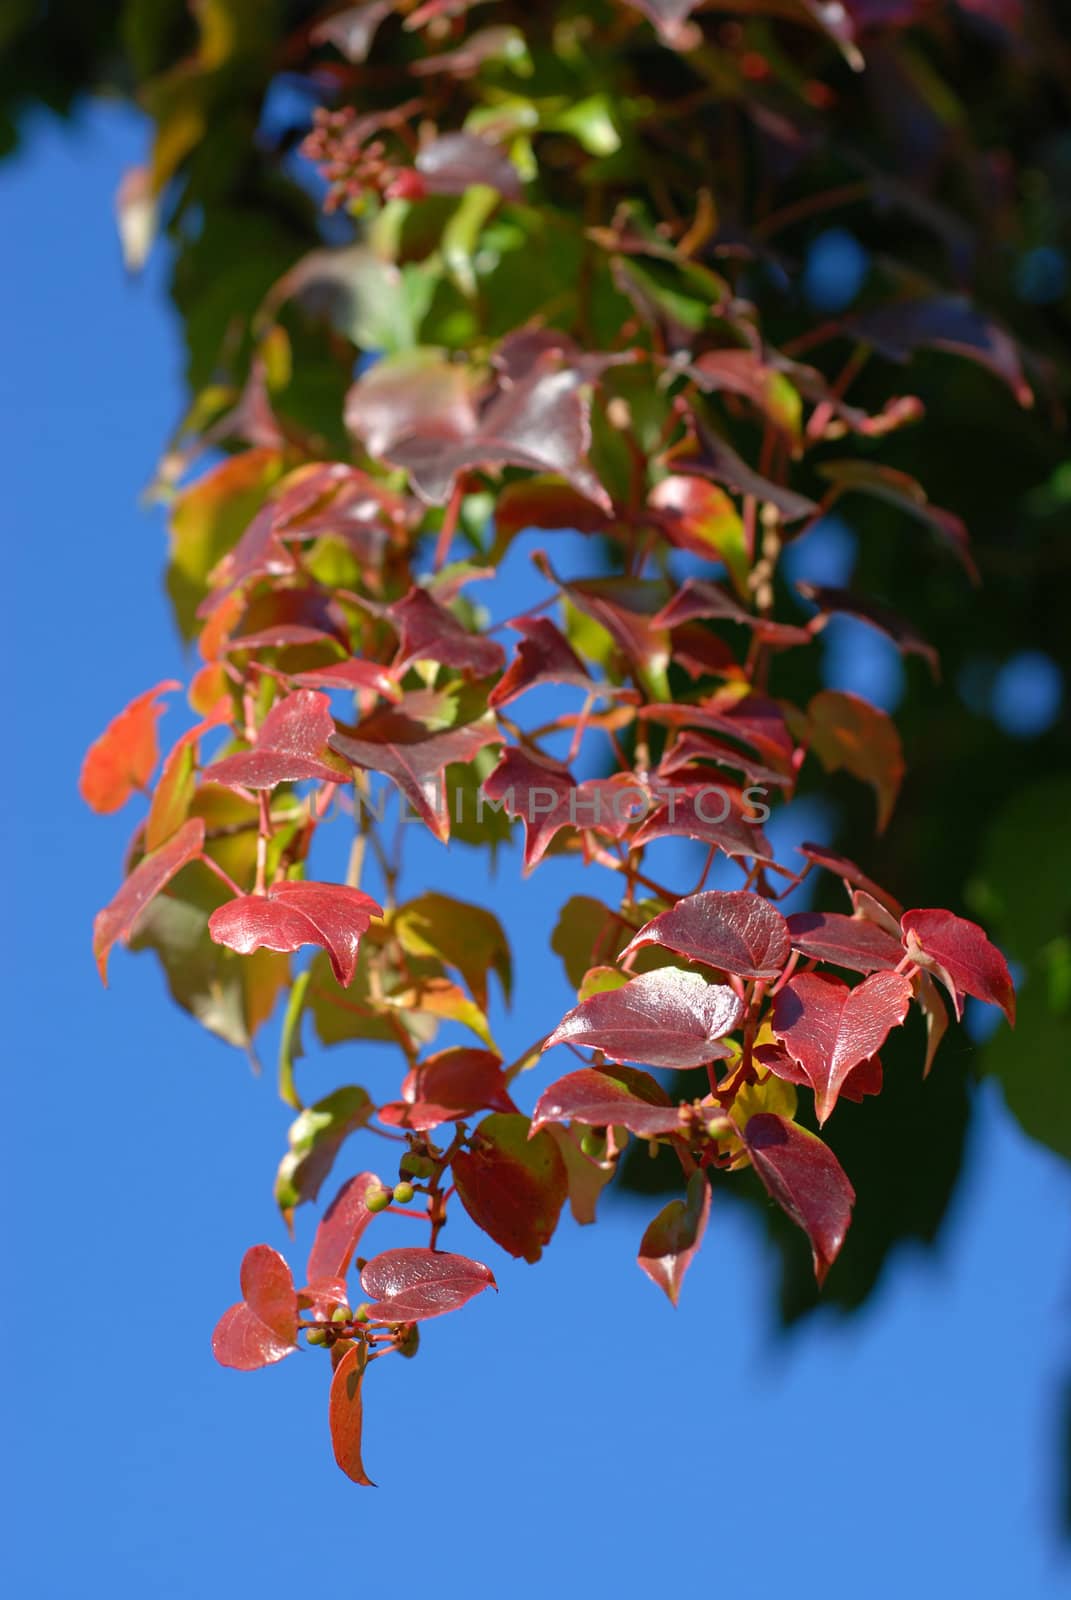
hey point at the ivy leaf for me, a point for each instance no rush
(716, 813)
(291, 745)
(864, 1079)
(745, 373)
(894, 627)
(544, 655)
(207, 520)
(935, 1012)
(404, 743)
(340, 1229)
(448, 1086)
(959, 953)
(152, 873)
(345, 1413)
(697, 598)
(431, 633)
(418, 393)
(854, 942)
(666, 1018)
(173, 795)
(601, 1098)
(849, 733)
(465, 936)
(290, 915)
(671, 1242)
(587, 934)
(315, 1138)
(511, 1185)
(706, 454)
(942, 322)
(410, 1285)
(539, 422)
(354, 675)
(851, 874)
(121, 761)
(735, 931)
(829, 1028)
(546, 502)
(805, 1178)
(262, 1327)
(698, 516)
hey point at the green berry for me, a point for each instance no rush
(342, 1314)
(318, 1336)
(593, 1144)
(417, 1166)
(377, 1199)
(361, 1314)
(403, 1193)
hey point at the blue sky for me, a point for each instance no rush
(571, 1434)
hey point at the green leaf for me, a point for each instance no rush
(315, 1138)
(465, 936)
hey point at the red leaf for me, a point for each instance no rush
(540, 422)
(601, 1099)
(894, 627)
(351, 31)
(175, 787)
(696, 515)
(340, 1228)
(402, 742)
(412, 1284)
(864, 1079)
(848, 732)
(755, 721)
(354, 675)
(959, 953)
(294, 914)
(737, 932)
(345, 1413)
(122, 759)
(851, 874)
(152, 873)
(805, 1178)
(452, 1084)
(829, 1028)
(546, 503)
(416, 393)
(291, 745)
(512, 1186)
(431, 633)
(666, 1018)
(698, 598)
(713, 811)
(708, 455)
(672, 1240)
(544, 655)
(853, 942)
(262, 1327)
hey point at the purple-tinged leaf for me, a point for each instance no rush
(697, 597)
(736, 931)
(351, 31)
(544, 655)
(454, 162)
(707, 455)
(411, 1285)
(864, 1079)
(961, 955)
(602, 1097)
(943, 322)
(354, 675)
(417, 392)
(850, 874)
(829, 1028)
(666, 1018)
(853, 942)
(894, 627)
(672, 1240)
(715, 812)
(805, 1178)
(152, 873)
(409, 745)
(291, 745)
(429, 632)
